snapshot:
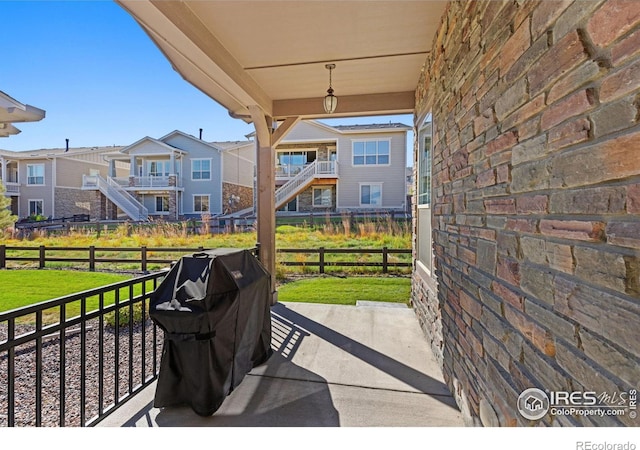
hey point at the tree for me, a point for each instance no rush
(6, 218)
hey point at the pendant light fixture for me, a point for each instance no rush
(330, 100)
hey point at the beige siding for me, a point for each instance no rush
(36, 192)
(237, 170)
(306, 131)
(392, 176)
(69, 172)
(247, 152)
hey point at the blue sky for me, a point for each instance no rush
(101, 80)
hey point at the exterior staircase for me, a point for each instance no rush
(304, 179)
(116, 193)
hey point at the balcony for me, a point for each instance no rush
(12, 187)
(325, 168)
(149, 182)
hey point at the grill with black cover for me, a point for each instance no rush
(214, 309)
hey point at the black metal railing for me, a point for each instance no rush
(73, 360)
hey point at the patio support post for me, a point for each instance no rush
(266, 198)
(3, 175)
(266, 142)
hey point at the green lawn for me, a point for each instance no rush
(346, 291)
(19, 288)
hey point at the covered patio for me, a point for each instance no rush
(350, 366)
(271, 63)
(267, 63)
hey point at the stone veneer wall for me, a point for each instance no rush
(536, 200)
(305, 200)
(75, 201)
(245, 194)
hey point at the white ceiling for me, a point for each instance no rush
(273, 53)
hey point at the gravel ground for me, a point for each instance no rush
(25, 373)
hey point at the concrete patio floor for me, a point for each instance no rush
(339, 366)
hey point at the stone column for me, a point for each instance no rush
(99, 206)
(173, 198)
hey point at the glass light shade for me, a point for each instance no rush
(330, 102)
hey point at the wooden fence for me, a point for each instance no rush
(149, 255)
(322, 263)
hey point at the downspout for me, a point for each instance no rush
(54, 182)
(53, 185)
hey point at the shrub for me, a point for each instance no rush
(123, 316)
(287, 229)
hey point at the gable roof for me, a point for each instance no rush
(7, 129)
(11, 111)
(188, 136)
(58, 152)
(232, 145)
(346, 129)
(126, 150)
(373, 127)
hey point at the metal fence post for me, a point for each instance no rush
(3, 256)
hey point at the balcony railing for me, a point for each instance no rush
(289, 170)
(74, 360)
(147, 182)
(12, 187)
(292, 170)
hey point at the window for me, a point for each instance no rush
(201, 203)
(322, 196)
(423, 225)
(424, 167)
(35, 174)
(158, 168)
(201, 169)
(291, 163)
(36, 207)
(162, 203)
(371, 153)
(371, 194)
(292, 206)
